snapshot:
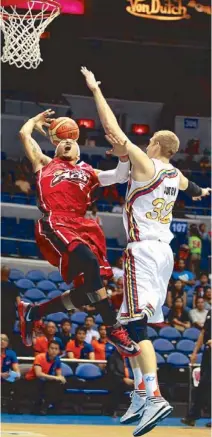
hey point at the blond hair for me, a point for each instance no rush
(169, 142)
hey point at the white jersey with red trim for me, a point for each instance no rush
(148, 209)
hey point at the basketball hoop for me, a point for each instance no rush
(22, 31)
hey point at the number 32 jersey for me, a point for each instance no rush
(149, 205)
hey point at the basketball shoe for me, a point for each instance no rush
(120, 338)
(136, 407)
(155, 410)
(26, 322)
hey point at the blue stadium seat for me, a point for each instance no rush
(26, 300)
(16, 327)
(9, 248)
(160, 359)
(112, 255)
(66, 370)
(165, 310)
(189, 301)
(112, 242)
(151, 332)
(25, 284)
(27, 228)
(32, 200)
(178, 359)
(43, 301)
(36, 275)
(6, 198)
(28, 250)
(199, 358)
(55, 277)
(88, 372)
(46, 285)
(169, 333)
(74, 326)
(79, 318)
(9, 221)
(5, 230)
(54, 294)
(191, 334)
(34, 294)
(163, 346)
(56, 317)
(98, 320)
(16, 274)
(20, 199)
(185, 346)
(63, 286)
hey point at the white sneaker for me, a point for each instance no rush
(135, 409)
(155, 410)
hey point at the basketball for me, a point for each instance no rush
(63, 128)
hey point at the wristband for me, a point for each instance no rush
(193, 189)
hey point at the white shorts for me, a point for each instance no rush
(148, 268)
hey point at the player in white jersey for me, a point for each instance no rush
(152, 191)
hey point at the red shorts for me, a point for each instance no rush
(58, 234)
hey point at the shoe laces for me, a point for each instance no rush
(122, 335)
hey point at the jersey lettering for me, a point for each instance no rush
(160, 206)
(76, 176)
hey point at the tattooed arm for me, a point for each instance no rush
(32, 149)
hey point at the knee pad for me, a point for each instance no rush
(137, 330)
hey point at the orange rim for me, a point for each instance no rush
(54, 5)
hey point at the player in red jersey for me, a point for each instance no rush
(68, 240)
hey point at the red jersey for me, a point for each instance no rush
(63, 186)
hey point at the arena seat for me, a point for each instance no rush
(20, 199)
(9, 221)
(74, 326)
(88, 371)
(5, 198)
(66, 370)
(64, 287)
(54, 293)
(28, 250)
(25, 284)
(16, 274)
(160, 359)
(79, 318)
(189, 301)
(9, 248)
(199, 358)
(169, 333)
(112, 242)
(165, 310)
(191, 334)
(163, 346)
(34, 294)
(177, 359)
(185, 346)
(36, 275)
(55, 276)
(98, 320)
(16, 327)
(46, 285)
(57, 317)
(151, 332)
(43, 301)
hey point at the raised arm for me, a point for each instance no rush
(191, 189)
(32, 149)
(118, 175)
(143, 167)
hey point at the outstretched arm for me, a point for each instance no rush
(140, 161)
(118, 175)
(193, 190)
(32, 149)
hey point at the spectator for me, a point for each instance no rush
(44, 379)
(91, 332)
(203, 231)
(117, 296)
(95, 216)
(178, 317)
(40, 344)
(198, 314)
(9, 293)
(177, 290)
(199, 291)
(184, 275)
(10, 372)
(8, 184)
(78, 348)
(90, 142)
(102, 348)
(118, 270)
(203, 280)
(207, 298)
(195, 246)
(65, 335)
(120, 206)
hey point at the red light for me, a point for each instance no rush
(89, 124)
(140, 129)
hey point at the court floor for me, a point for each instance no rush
(51, 427)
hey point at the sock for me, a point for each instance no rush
(108, 314)
(151, 384)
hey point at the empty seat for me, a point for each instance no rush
(66, 370)
(98, 319)
(165, 310)
(160, 359)
(199, 358)
(151, 332)
(36, 275)
(79, 318)
(163, 346)
(169, 333)
(74, 326)
(16, 327)
(185, 346)
(63, 286)
(34, 294)
(46, 285)
(27, 228)
(57, 317)
(28, 250)
(112, 242)
(10, 221)
(21, 200)
(9, 248)
(88, 371)
(6, 198)
(55, 277)
(25, 284)
(16, 274)
(54, 294)
(191, 334)
(177, 359)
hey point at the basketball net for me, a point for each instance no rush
(22, 32)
